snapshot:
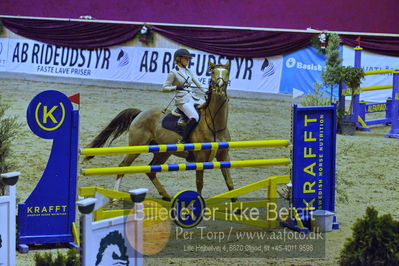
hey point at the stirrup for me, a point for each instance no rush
(181, 121)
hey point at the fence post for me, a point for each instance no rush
(86, 207)
(394, 133)
(388, 110)
(138, 196)
(7, 219)
(356, 96)
(362, 110)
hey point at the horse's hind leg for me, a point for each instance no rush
(128, 160)
(159, 158)
(136, 137)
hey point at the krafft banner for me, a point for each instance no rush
(135, 64)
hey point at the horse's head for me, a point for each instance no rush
(219, 78)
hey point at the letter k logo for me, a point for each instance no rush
(49, 114)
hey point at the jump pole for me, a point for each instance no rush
(184, 147)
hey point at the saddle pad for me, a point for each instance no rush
(170, 122)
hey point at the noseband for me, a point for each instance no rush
(219, 88)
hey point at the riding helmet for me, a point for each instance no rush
(182, 53)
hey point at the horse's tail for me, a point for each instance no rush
(115, 128)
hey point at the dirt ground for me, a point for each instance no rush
(367, 171)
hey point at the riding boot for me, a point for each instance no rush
(187, 130)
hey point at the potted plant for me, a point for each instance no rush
(332, 74)
(353, 77)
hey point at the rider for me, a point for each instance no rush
(180, 79)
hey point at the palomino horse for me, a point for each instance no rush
(145, 129)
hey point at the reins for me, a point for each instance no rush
(212, 127)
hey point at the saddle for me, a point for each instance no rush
(176, 120)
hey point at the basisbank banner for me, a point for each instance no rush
(133, 64)
(301, 69)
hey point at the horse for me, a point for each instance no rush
(145, 129)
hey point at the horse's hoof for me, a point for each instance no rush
(166, 198)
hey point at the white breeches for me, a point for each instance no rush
(189, 110)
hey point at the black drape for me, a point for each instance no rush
(227, 42)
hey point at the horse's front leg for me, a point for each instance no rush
(223, 155)
(201, 157)
(159, 158)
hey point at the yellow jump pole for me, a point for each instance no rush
(184, 147)
(377, 72)
(374, 88)
(184, 167)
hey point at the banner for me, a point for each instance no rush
(370, 61)
(3, 53)
(33, 57)
(133, 64)
(301, 69)
(151, 65)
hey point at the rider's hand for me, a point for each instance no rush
(166, 90)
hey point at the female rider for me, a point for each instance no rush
(180, 79)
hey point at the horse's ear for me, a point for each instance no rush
(211, 65)
(227, 65)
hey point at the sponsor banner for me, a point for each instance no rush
(370, 61)
(135, 64)
(313, 186)
(151, 65)
(3, 53)
(33, 57)
(301, 69)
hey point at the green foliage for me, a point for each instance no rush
(335, 73)
(47, 259)
(353, 77)
(146, 34)
(317, 98)
(315, 41)
(8, 131)
(332, 75)
(374, 241)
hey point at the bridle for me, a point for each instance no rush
(219, 88)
